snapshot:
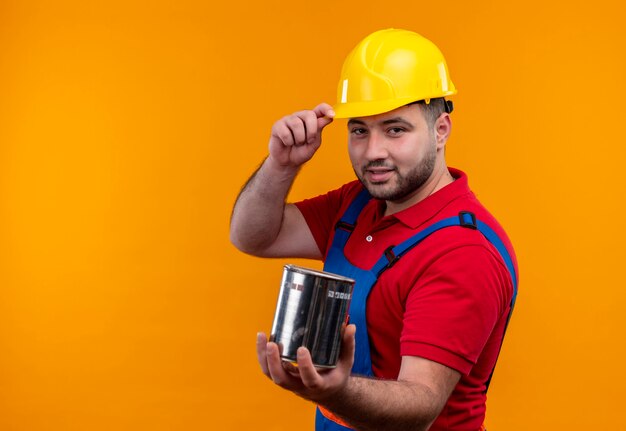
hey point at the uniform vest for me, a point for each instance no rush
(337, 263)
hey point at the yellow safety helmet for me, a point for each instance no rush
(389, 69)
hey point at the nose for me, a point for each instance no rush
(376, 147)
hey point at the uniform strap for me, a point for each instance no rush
(348, 219)
(347, 222)
(464, 219)
(393, 254)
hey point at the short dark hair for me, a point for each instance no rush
(434, 109)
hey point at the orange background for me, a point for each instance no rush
(127, 129)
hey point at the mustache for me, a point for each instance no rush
(379, 163)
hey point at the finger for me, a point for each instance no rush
(282, 131)
(308, 374)
(346, 356)
(261, 352)
(324, 110)
(275, 366)
(325, 115)
(310, 123)
(297, 128)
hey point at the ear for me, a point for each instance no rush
(443, 127)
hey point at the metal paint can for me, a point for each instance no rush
(311, 310)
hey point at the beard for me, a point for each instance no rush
(401, 185)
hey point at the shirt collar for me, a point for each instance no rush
(429, 207)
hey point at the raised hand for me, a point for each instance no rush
(296, 137)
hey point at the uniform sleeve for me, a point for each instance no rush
(454, 307)
(321, 213)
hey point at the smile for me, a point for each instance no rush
(379, 175)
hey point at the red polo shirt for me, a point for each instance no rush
(447, 300)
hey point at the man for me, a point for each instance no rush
(435, 270)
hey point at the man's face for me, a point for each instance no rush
(393, 154)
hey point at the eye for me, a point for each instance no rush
(358, 131)
(395, 131)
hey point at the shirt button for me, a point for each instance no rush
(369, 238)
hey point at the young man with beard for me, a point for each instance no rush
(435, 270)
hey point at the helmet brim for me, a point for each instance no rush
(369, 108)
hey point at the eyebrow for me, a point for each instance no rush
(352, 121)
(393, 120)
(398, 120)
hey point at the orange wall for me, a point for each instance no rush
(127, 128)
